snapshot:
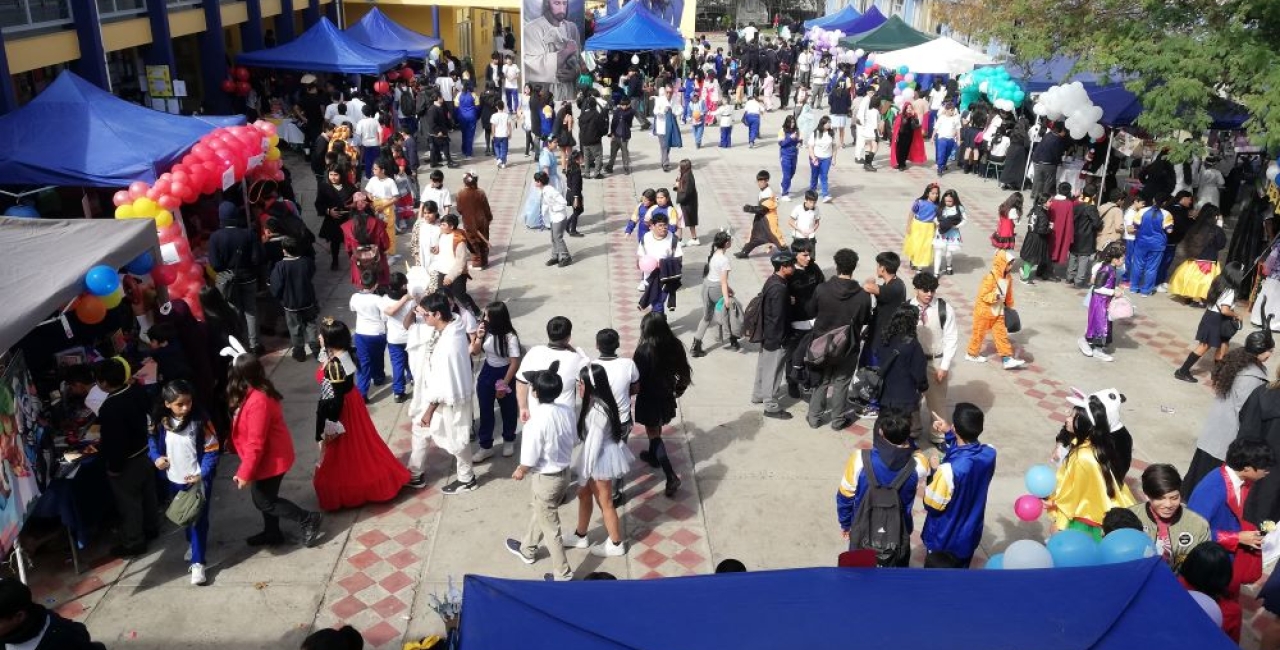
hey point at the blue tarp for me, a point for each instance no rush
(378, 31)
(641, 31)
(1116, 607)
(77, 134)
(1040, 75)
(617, 18)
(324, 48)
(831, 22)
(873, 19)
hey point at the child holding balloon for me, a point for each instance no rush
(1085, 488)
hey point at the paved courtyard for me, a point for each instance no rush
(761, 491)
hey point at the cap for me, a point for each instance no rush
(307, 79)
(228, 213)
(782, 258)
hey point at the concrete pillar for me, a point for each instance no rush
(311, 15)
(213, 60)
(435, 22)
(160, 50)
(8, 98)
(284, 23)
(251, 29)
(92, 64)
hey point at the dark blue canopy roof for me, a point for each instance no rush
(1115, 607)
(873, 19)
(380, 32)
(324, 48)
(618, 17)
(75, 133)
(639, 31)
(831, 21)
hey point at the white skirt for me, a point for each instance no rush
(600, 458)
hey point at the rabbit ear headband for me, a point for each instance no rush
(234, 349)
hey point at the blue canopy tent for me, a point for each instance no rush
(873, 19)
(831, 21)
(617, 18)
(641, 31)
(1113, 607)
(378, 31)
(77, 134)
(324, 48)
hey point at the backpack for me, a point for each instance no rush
(829, 348)
(879, 522)
(408, 106)
(366, 257)
(753, 320)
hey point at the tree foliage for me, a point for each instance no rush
(1182, 57)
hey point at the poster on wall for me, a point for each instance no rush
(551, 42)
(19, 420)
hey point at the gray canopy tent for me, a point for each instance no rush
(45, 262)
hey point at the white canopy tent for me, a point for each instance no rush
(939, 56)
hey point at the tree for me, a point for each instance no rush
(1184, 56)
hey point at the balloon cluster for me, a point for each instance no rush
(823, 40)
(237, 82)
(851, 57)
(1075, 548)
(1003, 91)
(905, 87)
(434, 54)
(1072, 102)
(243, 152)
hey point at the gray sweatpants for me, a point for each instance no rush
(558, 249)
(769, 374)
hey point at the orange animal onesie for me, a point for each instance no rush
(988, 309)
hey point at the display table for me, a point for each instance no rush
(288, 131)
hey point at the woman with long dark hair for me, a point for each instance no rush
(497, 340)
(687, 200)
(903, 366)
(221, 323)
(1201, 248)
(1087, 487)
(715, 288)
(265, 447)
(1218, 323)
(603, 459)
(664, 376)
(908, 145)
(333, 206)
(951, 216)
(1241, 372)
(822, 156)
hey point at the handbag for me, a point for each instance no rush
(868, 382)
(1120, 308)
(829, 347)
(1012, 321)
(185, 508)
(1228, 328)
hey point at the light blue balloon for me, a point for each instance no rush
(1027, 554)
(1041, 480)
(1126, 545)
(901, 85)
(902, 69)
(995, 561)
(1073, 548)
(102, 280)
(22, 211)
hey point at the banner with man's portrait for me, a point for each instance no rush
(552, 44)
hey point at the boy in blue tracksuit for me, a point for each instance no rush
(891, 451)
(1151, 232)
(955, 499)
(1220, 498)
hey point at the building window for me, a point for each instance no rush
(26, 15)
(121, 8)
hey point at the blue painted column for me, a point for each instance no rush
(251, 29)
(435, 22)
(8, 98)
(284, 23)
(92, 64)
(311, 15)
(332, 11)
(160, 50)
(213, 60)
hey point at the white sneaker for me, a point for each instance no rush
(1102, 356)
(1011, 363)
(1085, 348)
(1164, 288)
(642, 286)
(508, 449)
(826, 199)
(482, 455)
(785, 197)
(608, 549)
(197, 574)
(970, 357)
(571, 540)
(694, 242)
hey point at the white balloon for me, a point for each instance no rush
(982, 87)
(1097, 131)
(909, 93)
(1027, 554)
(635, 60)
(1272, 170)
(1040, 110)
(859, 52)
(1077, 134)
(1209, 606)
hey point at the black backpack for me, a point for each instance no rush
(753, 320)
(879, 522)
(408, 106)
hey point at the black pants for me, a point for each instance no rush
(135, 492)
(266, 498)
(458, 289)
(439, 146)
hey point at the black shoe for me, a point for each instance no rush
(741, 255)
(619, 499)
(840, 424)
(950, 271)
(311, 529)
(576, 234)
(401, 398)
(696, 350)
(417, 482)
(565, 262)
(552, 262)
(673, 486)
(778, 415)
(1185, 376)
(457, 487)
(299, 354)
(733, 343)
(648, 458)
(265, 539)
(123, 551)
(608, 170)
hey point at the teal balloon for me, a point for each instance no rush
(1073, 548)
(1125, 545)
(1019, 96)
(995, 561)
(902, 69)
(102, 280)
(1041, 480)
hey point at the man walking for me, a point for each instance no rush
(774, 308)
(592, 126)
(235, 253)
(438, 128)
(442, 414)
(940, 338)
(620, 136)
(838, 302)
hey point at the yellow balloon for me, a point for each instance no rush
(112, 300)
(125, 211)
(164, 219)
(144, 207)
(273, 140)
(273, 154)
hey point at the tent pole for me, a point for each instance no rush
(1022, 184)
(1106, 167)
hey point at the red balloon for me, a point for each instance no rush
(177, 190)
(228, 85)
(173, 200)
(381, 87)
(164, 275)
(201, 152)
(242, 88)
(241, 74)
(122, 197)
(138, 189)
(392, 75)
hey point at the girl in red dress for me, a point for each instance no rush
(356, 467)
(1010, 213)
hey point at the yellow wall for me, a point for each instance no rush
(36, 52)
(183, 23)
(126, 33)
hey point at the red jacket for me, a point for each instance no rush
(261, 438)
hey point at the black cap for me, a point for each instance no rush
(782, 258)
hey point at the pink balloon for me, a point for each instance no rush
(165, 274)
(648, 264)
(122, 197)
(138, 189)
(1028, 507)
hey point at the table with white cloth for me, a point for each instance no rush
(1069, 172)
(288, 131)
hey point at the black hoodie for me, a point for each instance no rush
(840, 301)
